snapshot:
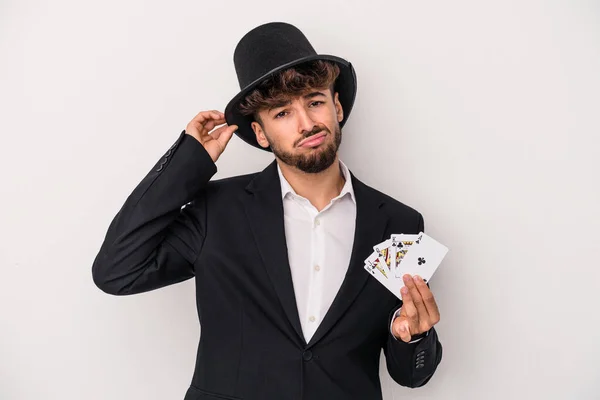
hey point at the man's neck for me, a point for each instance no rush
(318, 188)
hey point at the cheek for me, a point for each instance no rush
(329, 117)
(282, 136)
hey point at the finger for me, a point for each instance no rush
(215, 134)
(219, 114)
(211, 123)
(416, 297)
(225, 135)
(204, 116)
(223, 130)
(408, 308)
(428, 300)
(402, 329)
(199, 124)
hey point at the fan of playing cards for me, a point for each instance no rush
(404, 254)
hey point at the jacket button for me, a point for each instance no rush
(307, 355)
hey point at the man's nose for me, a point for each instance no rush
(305, 122)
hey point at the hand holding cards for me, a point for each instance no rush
(404, 254)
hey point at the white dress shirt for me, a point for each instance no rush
(319, 245)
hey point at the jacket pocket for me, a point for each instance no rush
(195, 393)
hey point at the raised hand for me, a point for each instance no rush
(214, 142)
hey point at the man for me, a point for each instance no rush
(285, 306)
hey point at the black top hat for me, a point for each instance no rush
(271, 48)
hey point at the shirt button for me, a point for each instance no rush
(312, 319)
(317, 268)
(317, 222)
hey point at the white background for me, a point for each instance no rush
(483, 115)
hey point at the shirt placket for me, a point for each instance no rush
(315, 288)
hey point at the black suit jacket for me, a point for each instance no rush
(229, 235)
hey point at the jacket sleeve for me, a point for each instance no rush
(156, 236)
(412, 364)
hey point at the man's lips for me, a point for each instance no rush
(314, 140)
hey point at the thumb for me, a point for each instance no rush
(226, 135)
(403, 330)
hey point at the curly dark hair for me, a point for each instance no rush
(277, 89)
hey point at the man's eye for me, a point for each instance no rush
(281, 114)
(317, 102)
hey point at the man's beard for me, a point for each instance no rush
(319, 159)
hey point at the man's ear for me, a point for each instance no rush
(260, 134)
(338, 108)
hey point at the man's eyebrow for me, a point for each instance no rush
(285, 103)
(277, 105)
(313, 94)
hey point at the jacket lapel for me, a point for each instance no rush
(265, 213)
(371, 222)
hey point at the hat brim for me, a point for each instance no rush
(345, 85)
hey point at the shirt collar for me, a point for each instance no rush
(347, 188)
